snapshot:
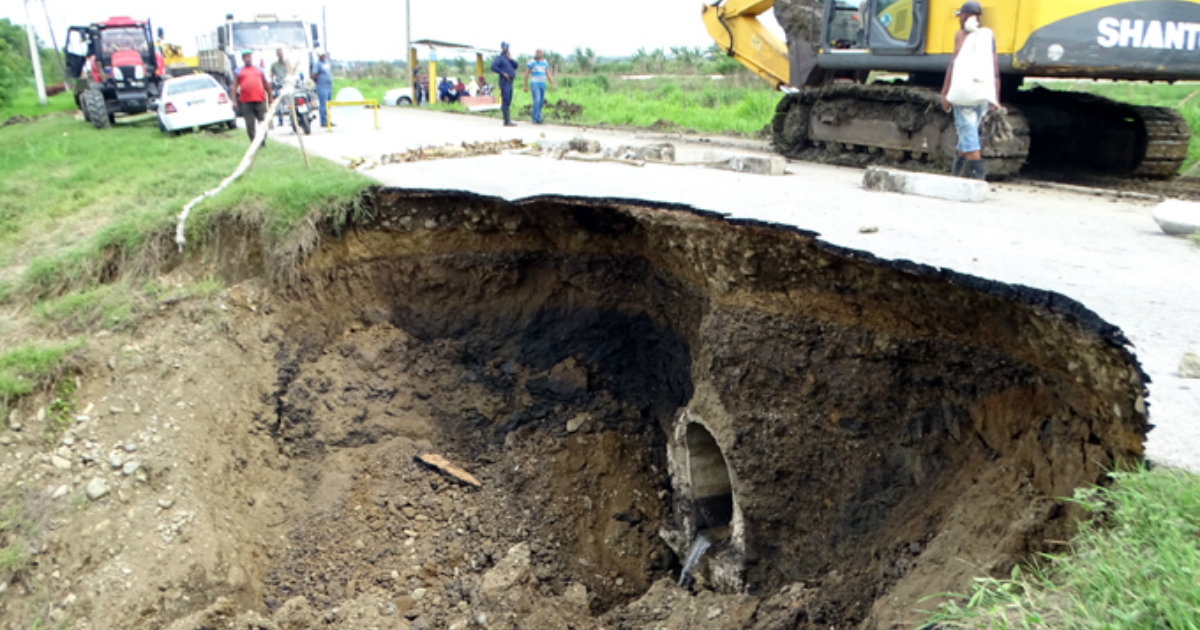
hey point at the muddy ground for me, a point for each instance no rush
(876, 432)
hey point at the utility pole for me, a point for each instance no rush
(34, 56)
(325, 31)
(54, 41)
(408, 63)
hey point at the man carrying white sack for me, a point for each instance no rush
(971, 88)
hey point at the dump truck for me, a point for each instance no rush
(220, 51)
(832, 111)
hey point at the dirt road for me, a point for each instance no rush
(1104, 252)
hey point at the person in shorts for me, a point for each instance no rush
(971, 88)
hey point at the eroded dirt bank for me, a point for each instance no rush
(852, 434)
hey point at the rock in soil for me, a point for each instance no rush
(96, 488)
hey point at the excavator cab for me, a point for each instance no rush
(883, 27)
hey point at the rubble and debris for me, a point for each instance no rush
(450, 150)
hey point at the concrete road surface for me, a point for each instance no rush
(1107, 253)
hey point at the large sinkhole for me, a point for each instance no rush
(622, 376)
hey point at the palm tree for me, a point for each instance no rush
(659, 59)
(554, 59)
(585, 60)
(641, 60)
(686, 59)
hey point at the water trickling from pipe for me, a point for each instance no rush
(699, 546)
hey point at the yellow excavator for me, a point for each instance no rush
(831, 112)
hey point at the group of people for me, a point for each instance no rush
(252, 91)
(447, 91)
(450, 92)
(537, 76)
(971, 88)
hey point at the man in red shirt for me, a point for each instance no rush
(253, 94)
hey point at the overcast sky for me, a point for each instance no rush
(375, 30)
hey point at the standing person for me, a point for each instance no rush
(537, 72)
(253, 94)
(279, 71)
(971, 88)
(418, 87)
(324, 79)
(506, 67)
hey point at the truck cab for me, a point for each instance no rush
(262, 35)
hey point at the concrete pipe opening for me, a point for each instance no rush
(712, 494)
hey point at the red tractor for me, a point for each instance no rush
(115, 68)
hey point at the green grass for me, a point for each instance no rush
(370, 87)
(105, 306)
(61, 411)
(1135, 563)
(77, 203)
(24, 103)
(30, 366)
(694, 103)
(733, 105)
(87, 219)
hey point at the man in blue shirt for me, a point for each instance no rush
(537, 72)
(324, 80)
(505, 66)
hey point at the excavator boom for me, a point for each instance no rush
(734, 25)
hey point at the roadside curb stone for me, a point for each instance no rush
(925, 185)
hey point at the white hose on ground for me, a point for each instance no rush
(247, 159)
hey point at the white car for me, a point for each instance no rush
(194, 101)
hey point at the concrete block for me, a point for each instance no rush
(925, 184)
(741, 163)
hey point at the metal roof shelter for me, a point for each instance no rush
(435, 45)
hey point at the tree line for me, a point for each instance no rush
(676, 60)
(16, 71)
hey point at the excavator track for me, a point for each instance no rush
(1052, 132)
(1074, 131)
(886, 124)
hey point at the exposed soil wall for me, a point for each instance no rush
(888, 429)
(621, 377)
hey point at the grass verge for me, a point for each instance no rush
(83, 206)
(730, 105)
(87, 220)
(1135, 563)
(25, 103)
(29, 367)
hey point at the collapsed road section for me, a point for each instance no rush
(846, 434)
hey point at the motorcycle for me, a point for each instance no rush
(304, 101)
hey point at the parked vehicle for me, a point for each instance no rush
(304, 101)
(194, 101)
(114, 69)
(220, 51)
(833, 110)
